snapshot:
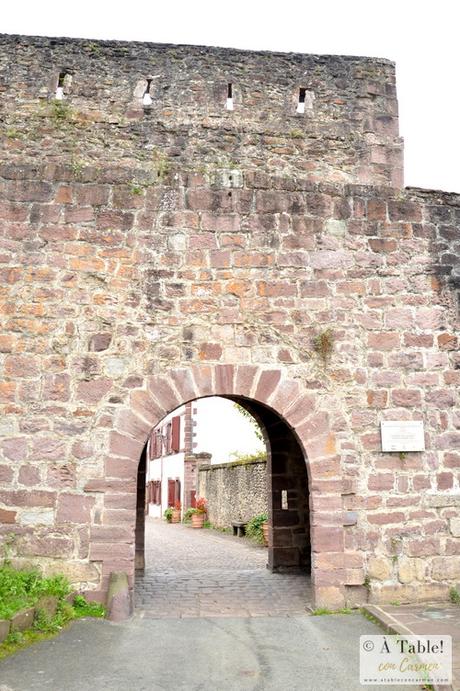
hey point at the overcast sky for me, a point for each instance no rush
(223, 431)
(421, 37)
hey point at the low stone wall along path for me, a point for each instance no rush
(203, 573)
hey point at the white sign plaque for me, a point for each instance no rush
(402, 435)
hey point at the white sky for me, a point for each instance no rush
(421, 36)
(222, 430)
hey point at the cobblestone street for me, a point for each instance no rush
(203, 573)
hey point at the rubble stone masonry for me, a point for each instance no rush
(150, 255)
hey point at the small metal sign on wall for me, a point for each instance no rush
(402, 435)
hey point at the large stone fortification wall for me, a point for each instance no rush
(112, 278)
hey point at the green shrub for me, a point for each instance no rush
(454, 596)
(168, 514)
(188, 515)
(254, 527)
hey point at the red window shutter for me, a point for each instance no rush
(175, 434)
(159, 492)
(168, 438)
(171, 492)
(177, 490)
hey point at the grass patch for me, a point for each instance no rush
(20, 589)
(83, 608)
(323, 611)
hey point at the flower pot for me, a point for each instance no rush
(175, 518)
(265, 533)
(197, 520)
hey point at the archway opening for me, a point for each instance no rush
(287, 502)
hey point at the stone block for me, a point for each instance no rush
(356, 595)
(76, 571)
(379, 568)
(329, 597)
(406, 570)
(93, 391)
(48, 604)
(441, 500)
(36, 517)
(267, 383)
(7, 517)
(354, 576)
(454, 526)
(99, 342)
(119, 599)
(74, 508)
(126, 447)
(445, 568)
(326, 539)
(4, 629)
(22, 620)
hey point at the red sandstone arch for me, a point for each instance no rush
(298, 406)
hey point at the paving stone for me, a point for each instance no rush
(192, 573)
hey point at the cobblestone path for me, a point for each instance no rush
(203, 573)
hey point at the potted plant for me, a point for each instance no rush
(198, 514)
(175, 518)
(168, 514)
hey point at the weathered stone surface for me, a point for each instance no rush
(7, 516)
(4, 629)
(37, 517)
(77, 572)
(47, 603)
(379, 568)
(74, 508)
(410, 570)
(445, 568)
(119, 599)
(131, 285)
(454, 525)
(22, 620)
(441, 500)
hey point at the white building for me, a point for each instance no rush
(210, 430)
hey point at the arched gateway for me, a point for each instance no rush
(287, 411)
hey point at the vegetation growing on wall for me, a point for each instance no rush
(323, 345)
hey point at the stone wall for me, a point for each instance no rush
(235, 491)
(348, 133)
(124, 295)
